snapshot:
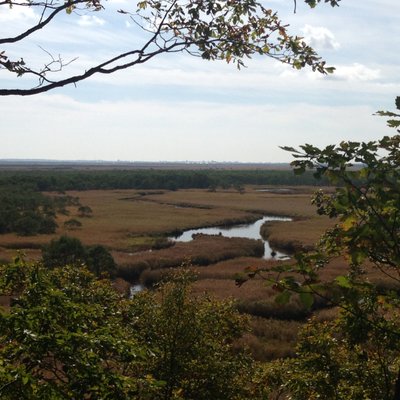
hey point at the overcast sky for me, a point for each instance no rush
(178, 108)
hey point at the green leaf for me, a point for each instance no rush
(307, 299)
(343, 281)
(358, 256)
(283, 298)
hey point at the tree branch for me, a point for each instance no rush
(219, 31)
(42, 23)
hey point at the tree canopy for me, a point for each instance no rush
(67, 335)
(357, 355)
(213, 30)
(70, 251)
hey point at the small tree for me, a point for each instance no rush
(64, 251)
(85, 211)
(99, 260)
(72, 224)
(193, 342)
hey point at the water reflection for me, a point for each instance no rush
(135, 288)
(251, 231)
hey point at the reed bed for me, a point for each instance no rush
(201, 251)
(294, 203)
(270, 339)
(130, 220)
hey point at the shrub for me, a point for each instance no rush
(72, 224)
(192, 340)
(64, 251)
(100, 261)
(65, 336)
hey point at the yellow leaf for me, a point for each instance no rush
(349, 222)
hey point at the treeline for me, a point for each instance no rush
(46, 180)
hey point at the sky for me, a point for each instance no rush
(181, 108)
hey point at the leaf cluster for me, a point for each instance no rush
(230, 31)
(329, 366)
(313, 3)
(233, 31)
(193, 340)
(358, 355)
(68, 250)
(67, 335)
(64, 337)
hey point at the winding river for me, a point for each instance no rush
(251, 231)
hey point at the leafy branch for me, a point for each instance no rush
(231, 31)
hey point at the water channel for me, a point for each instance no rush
(251, 231)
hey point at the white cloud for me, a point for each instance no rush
(90, 20)
(17, 13)
(156, 130)
(355, 72)
(320, 37)
(178, 107)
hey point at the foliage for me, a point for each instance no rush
(65, 337)
(99, 260)
(25, 211)
(85, 211)
(193, 342)
(358, 356)
(72, 224)
(313, 3)
(146, 179)
(64, 251)
(366, 204)
(328, 365)
(229, 30)
(68, 250)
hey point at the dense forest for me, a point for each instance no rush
(45, 180)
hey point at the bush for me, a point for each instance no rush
(193, 342)
(70, 251)
(66, 336)
(100, 261)
(72, 224)
(64, 251)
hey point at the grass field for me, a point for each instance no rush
(123, 219)
(131, 222)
